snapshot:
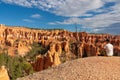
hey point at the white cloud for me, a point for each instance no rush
(68, 21)
(70, 7)
(27, 20)
(36, 16)
(73, 9)
(100, 20)
(61, 7)
(25, 3)
(112, 29)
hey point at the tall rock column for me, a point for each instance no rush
(3, 73)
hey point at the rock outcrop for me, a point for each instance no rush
(48, 60)
(3, 73)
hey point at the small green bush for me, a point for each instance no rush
(17, 66)
(37, 49)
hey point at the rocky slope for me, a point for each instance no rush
(91, 68)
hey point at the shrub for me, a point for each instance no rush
(37, 49)
(17, 66)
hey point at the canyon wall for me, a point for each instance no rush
(63, 45)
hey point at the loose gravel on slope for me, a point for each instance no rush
(90, 68)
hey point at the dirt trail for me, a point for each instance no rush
(90, 68)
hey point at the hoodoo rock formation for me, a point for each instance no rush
(3, 73)
(62, 44)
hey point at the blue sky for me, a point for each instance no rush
(96, 16)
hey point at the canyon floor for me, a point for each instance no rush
(90, 68)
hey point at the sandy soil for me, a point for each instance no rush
(90, 68)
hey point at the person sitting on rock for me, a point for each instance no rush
(108, 48)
